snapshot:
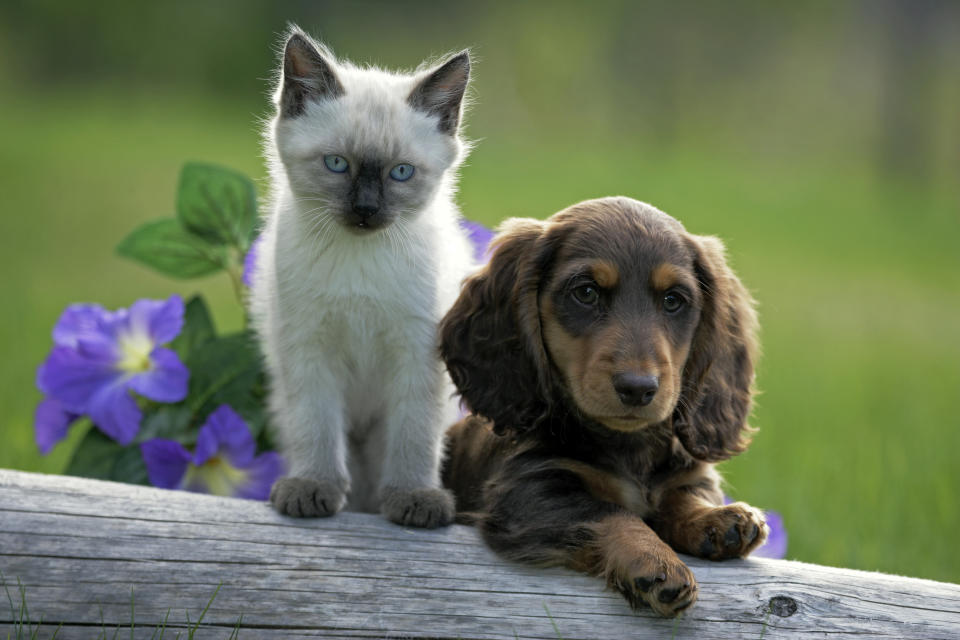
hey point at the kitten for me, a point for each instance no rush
(362, 254)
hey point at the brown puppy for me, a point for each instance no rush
(607, 356)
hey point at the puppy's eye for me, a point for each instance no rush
(673, 302)
(402, 172)
(337, 164)
(587, 295)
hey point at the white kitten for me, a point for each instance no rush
(361, 256)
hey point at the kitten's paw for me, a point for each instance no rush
(306, 498)
(428, 508)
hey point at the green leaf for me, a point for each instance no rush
(129, 467)
(227, 370)
(171, 421)
(198, 328)
(166, 246)
(94, 457)
(97, 456)
(217, 204)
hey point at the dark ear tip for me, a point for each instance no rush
(297, 42)
(460, 61)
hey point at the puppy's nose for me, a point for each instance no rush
(635, 390)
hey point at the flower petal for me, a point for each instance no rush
(77, 321)
(480, 238)
(227, 434)
(207, 445)
(162, 320)
(98, 348)
(50, 424)
(73, 378)
(250, 261)
(165, 381)
(115, 412)
(166, 462)
(262, 472)
(776, 544)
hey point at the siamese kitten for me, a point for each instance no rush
(362, 254)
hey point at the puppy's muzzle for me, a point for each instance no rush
(635, 390)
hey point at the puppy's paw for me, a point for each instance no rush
(666, 585)
(732, 531)
(427, 508)
(306, 498)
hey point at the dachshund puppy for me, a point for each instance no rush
(607, 357)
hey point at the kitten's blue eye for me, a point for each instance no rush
(337, 164)
(401, 172)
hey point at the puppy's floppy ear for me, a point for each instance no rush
(711, 416)
(491, 339)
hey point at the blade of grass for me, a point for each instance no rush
(161, 629)
(766, 619)
(556, 629)
(23, 608)
(235, 634)
(203, 613)
(13, 610)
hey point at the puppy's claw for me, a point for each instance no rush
(668, 592)
(743, 529)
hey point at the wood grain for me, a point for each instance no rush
(82, 548)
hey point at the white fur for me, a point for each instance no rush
(348, 322)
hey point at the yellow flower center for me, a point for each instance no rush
(219, 477)
(135, 353)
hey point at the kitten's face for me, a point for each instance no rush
(364, 147)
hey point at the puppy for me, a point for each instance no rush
(607, 357)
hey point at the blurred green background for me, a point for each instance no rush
(821, 140)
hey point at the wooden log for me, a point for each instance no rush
(97, 555)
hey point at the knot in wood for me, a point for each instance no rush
(783, 606)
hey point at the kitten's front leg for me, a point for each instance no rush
(311, 425)
(410, 492)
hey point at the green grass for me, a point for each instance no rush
(26, 628)
(857, 281)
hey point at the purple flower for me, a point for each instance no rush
(99, 357)
(52, 422)
(250, 261)
(223, 462)
(480, 238)
(776, 544)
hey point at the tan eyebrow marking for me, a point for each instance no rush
(605, 273)
(667, 275)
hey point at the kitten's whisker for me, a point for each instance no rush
(405, 238)
(319, 223)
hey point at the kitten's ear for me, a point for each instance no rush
(306, 76)
(441, 92)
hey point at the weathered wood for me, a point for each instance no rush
(82, 547)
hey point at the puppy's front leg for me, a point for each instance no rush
(540, 512)
(694, 521)
(419, 410)
(309, 410)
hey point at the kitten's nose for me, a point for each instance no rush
(635, 390)
(364, 210)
